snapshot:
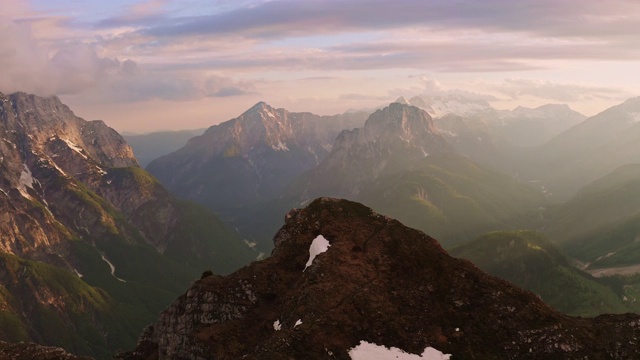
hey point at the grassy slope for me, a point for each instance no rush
(197, 242)
(453, 199)
(601, 224)
(529, 260)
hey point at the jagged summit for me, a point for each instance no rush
(260, 105)
(402, 100)
(341, 274)
(392, 139)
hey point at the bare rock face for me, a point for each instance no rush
(87, 237)
(52, 160)
(30, 351)
(251, 158)
(376, 281)
(391, 140)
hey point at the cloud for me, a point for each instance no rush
(72, 67)
(133, 84)
(562, 92)
(283, 18)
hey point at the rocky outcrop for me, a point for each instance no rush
(30, 351)
(375, 281)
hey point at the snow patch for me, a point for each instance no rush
(299, 322)
(74, 147)
(26, 181)
(369, 351)
(448, 133)
(113, 268)
(318, 246)
(276, 325)
(280, 146)
(269, 114)
(77, 273)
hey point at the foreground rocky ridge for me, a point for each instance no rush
(30, 351)
(380, 282)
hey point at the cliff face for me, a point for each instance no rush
(78, 174)
(393, 139)
(87, 236)
(341, 274)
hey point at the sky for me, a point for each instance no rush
(166, 65)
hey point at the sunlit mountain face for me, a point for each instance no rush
(286, 179)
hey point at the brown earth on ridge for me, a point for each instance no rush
(381, 282)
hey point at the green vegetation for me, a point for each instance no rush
(124, 177)
(529, 260)
(453, 199)
(601, 224)
(62, 310)
(606, 202)
(614, 245)
(201, 241)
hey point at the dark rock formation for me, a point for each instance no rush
(30, 351)
(378, 282)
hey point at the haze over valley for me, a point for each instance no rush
(319, 179)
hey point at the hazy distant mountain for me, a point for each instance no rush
(453, 198)
(148, 147)
(460, 115)
(600, 225)
(531, 127)
(531, 261)
(391, 140)
(400, 165)
(91, 245)
(252, 158)
(453, 104)
(344, 282)
(590, 150)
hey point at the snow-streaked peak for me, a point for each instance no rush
(458, 104)
(402, 100)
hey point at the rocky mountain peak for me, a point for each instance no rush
(44, 125)
(400, 119)
(342, 275)
(402, 100)
(393, 139)
(260, 105)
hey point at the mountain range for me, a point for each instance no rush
(253, 168)
(92, 246)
